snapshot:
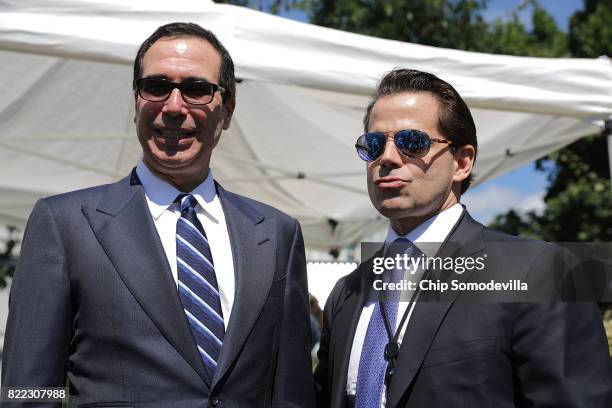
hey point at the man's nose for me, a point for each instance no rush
(391, 157)
(175, 105)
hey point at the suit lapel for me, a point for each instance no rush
(345, 324)
(428, 315)
(124, 227)
(253, 241)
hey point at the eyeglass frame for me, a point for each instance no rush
(394, 134)
(177, 85)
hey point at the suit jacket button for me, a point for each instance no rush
(214, 401)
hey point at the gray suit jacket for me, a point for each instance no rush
(93, 302)
(472, 353)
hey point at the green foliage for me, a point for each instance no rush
(578, 201)
(511, 223)
(269, 6)
(455, 24)
(440, 23)
(511, 37)
(578, 205)
(591, 30)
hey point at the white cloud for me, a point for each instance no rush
(486, 202)
(533, 202)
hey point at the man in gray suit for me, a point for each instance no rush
(163, 289)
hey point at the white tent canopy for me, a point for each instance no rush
(66, 112)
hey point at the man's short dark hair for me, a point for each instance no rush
(227, 79)
(455, 121)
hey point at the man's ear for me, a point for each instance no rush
(464, 162)
(135, 106)
(228, 110)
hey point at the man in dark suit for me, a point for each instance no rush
(163, 289)
(449, 349)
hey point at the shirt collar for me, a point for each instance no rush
(434, 229)
(161, 195)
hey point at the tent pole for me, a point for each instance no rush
(608, 132)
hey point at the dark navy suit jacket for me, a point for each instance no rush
(473, 353)
(93, 302)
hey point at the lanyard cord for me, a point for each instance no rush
(392, 348)
(381, 299)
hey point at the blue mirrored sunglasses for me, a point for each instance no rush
(412, 143)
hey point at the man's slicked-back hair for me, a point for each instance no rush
(455, 120)
(174, 30)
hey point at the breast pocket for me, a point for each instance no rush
(277, 289)
(460, 365)
(459, 351)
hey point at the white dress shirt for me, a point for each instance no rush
(434, 230)
(160, 198)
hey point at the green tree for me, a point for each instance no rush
(511, 37)
(511, 223)
(269, 6)
(457, 24)
(591, 30)
(441, 23)
(578, 206)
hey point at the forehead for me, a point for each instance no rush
(406, 110)
(181, 57)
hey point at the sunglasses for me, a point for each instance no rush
(412, 143)
(194, 92)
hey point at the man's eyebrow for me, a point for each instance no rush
(195, 78)
(159, 76)
(187, 79)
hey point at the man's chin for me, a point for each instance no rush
(169, 167)
(172, 161)
(394, 204)
(393, 211)
(172, 164)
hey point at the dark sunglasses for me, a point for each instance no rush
(195, 92)
(412, 143)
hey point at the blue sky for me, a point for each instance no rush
(561, 10)
(522, 189)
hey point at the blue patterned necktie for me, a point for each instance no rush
(372, 363)
(197, 284)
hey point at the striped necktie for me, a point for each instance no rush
(372, 363)
(197, 284)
